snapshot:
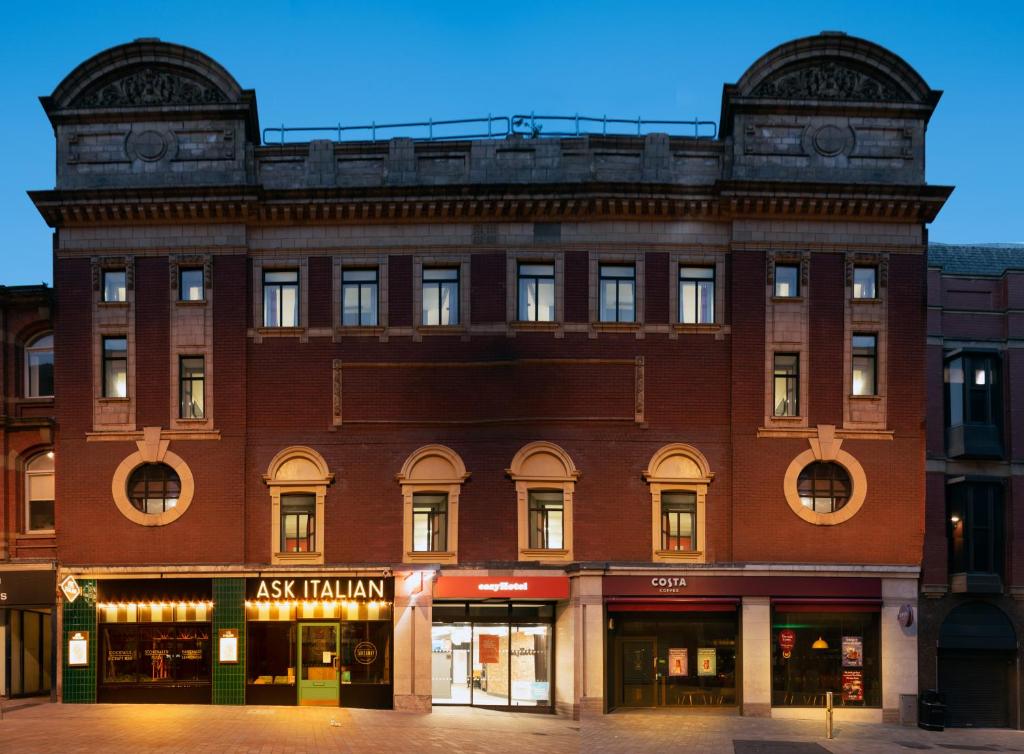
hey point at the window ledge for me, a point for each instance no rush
(38, 534)
(865, 397)
(617, 326)
(33, 400)
(107, 399)
(297, 558)
(441, 329)
(856, 301)
(282, 332)
(430, 557)
(784, 299)
(351, 330)
(199, 302)
(786, 419)
(113, 304)
(692, 556)
(529, 324)
(544, 554)
(709, 327)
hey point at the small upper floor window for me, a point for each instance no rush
(678, 521)
(298, 523)
(115, 289)
(617, 283)
(976, 527)
(973, 389)
(39, 366)
(192, 393)
(865, 364)
(39, 493)
(787, 280)
(865, 282)
(441, 296)
(359, 294)
(280, 298)
(536, 292)
(115, 367)
(154, 488)
(546, 519)
(786, 385)
(191, 284)
(697, 295)
(429, 522)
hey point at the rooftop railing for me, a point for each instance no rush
(531, 126)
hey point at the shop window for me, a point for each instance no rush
(280, 298)
(678, 476)
(976, 530)
(115, 367)
(440, 296)
(271, 661)
(297, 478)
(431, 479)
(39, 367)
(865, 284)
(148, 657)
(365, 653)
(191, 387)
(865, 364)
(787, 281)
(39, 493)
(824, 487)
(696, 295)
(815, 651)
(786, 384)
(359, 297)
(536, 292)
(973, 405)
(115, 289)
(617, 293)
(154, 488)
(191, 284)
(545, 479)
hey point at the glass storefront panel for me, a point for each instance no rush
(490, 666)
(365, 652)
(816, 652)
(450, 670)
(271, 654)
(531, 666)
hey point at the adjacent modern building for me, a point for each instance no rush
(973, 569)
(566, 423)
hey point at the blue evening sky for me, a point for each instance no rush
(321, 62)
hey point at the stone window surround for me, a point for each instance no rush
(190, 261)
(440, 259)
(826, 447)
(870, 317)
(349, 260)
(512, 261)
(175, 262)
(801, 304)
(440, 470)
(28, 340)
(678, 467)
(542, 465)
(281, 479)
(259, 264)
(152, 449)
(111, 319)
(679, 259)
(598, 258)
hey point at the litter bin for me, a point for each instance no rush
(931, 710)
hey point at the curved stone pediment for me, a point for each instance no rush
(151, 87)
(830, 80)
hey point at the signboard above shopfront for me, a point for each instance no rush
(27, 588)
(742, 586)
(507, 587)
(319, 588)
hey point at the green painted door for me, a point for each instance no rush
(318, 664)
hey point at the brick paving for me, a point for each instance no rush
(174, 729)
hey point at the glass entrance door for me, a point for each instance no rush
(318, 664)
(637, 658)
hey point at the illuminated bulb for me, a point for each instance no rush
(49, 454)
(955, 520)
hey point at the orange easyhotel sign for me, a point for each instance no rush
(509, 587)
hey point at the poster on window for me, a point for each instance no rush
(853, 685)
(487, 649)
(706, 662)
(678, 662)
(853, 651)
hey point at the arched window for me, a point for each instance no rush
(545, 478)
(39, 497)
(39, 366)
(154, 488)
(431, 480)
(678, 475)
(298, 478)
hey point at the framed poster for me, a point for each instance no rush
(487, 649)
(78, 649)
(853, 685)
(678, 662)
(707, 664)
(853, 651)
(227, 643)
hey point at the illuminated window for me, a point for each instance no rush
(39, 367)
(115, 286)
(864, 282)
(787, 280)
(617, 286)
(865, 361)
(441, 296)
(697, 295)
(192, 378)
(298, 523)
(536, 292)
(280, 298)
(824, 487)
(546, 514)
(786, 385)
(431, 479)
(678, 521)
(297, 478)
(39, 493)
(190, 284)
(115, 367)
(154, 488)
(545, 479)
(429, 522)
(359, 294)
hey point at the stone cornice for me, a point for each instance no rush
(723, 200)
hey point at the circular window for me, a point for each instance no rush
(154, 488)
(824, 487)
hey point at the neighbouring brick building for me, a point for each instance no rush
(561, 423)
(973, 569)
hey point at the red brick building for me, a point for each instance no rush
(973, 570)
(557, 423)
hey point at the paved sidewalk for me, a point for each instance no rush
(174, 729)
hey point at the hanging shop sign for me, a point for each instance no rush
(509, 587)
(678, 664)
(310, 588)
(707, 662)
(488, 649)
(905, 616)
(71, 588)
(227, 645)
(853, 651)
(787, 640)
(78, 649)
(27, 588)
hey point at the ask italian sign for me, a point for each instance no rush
(283, 588)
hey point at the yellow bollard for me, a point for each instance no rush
(828, 714)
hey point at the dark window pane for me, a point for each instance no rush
(154, 488)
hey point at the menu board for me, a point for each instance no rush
(78, 649)
(707, 664)
(227, 645)
(678, 662)
(853, 651)
(853, 685)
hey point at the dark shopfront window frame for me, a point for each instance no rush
(487, 613)
(195, 690)
(809, 690)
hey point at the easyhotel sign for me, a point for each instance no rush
(509, 587)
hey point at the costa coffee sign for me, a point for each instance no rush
(511, 587)
(739, 586)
